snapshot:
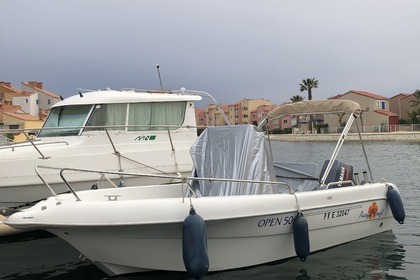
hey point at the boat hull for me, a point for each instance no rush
(142, 253)
(146, 234)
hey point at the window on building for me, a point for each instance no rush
(285, 121)
(49, 101)
(383, 105)
(26, 100)
(37, 102)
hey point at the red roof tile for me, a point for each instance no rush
(8, 88)
(336, 96)
(400, 95)
(42, 90)
(367, 94)
(408, 96)
(10, 108)
(22, 116)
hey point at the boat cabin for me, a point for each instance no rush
(119, 110)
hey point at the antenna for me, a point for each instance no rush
(160, 80)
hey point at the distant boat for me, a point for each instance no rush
(128, 130)
(238, 209)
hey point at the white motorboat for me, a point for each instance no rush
(238, 209)
(128, 130)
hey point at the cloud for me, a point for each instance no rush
(234, 49)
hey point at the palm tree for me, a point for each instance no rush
(308, 85)
(296, 98)
(417, 95)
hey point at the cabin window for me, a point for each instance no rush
(67, 121)
(111, 116)
(156, 116)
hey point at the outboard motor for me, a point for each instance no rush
(339, 172)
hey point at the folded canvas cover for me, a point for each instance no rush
(300, 176)
(232, 152)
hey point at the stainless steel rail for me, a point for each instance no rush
(182, 179)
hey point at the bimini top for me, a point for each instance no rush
(125, 96)
(315, 107)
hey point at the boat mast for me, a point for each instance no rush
(160, 80)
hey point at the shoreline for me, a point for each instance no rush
(377, 136)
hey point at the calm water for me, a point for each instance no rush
(391, 255)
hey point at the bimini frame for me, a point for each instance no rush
(314, 107)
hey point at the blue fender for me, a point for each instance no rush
(194, 245)
(301, 236)
(395, 202)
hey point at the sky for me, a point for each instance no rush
(232, 49)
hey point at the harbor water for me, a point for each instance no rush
(390, 255)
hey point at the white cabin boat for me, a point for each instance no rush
(128, 130)
(249, 214)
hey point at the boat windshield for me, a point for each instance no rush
(65, 121)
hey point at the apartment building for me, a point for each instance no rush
(7, 92)
(402, 104)
(26, 108)
(44, 99)
(236, 113)
(214, 116)
(247, 106)
(375, 110)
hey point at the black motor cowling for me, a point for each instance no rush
(339, 172)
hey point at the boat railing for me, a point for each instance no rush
(184, 180)
(340, 184)
(26, 144)
(32, 133)
(35, 142)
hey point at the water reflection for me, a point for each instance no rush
(375, 257)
